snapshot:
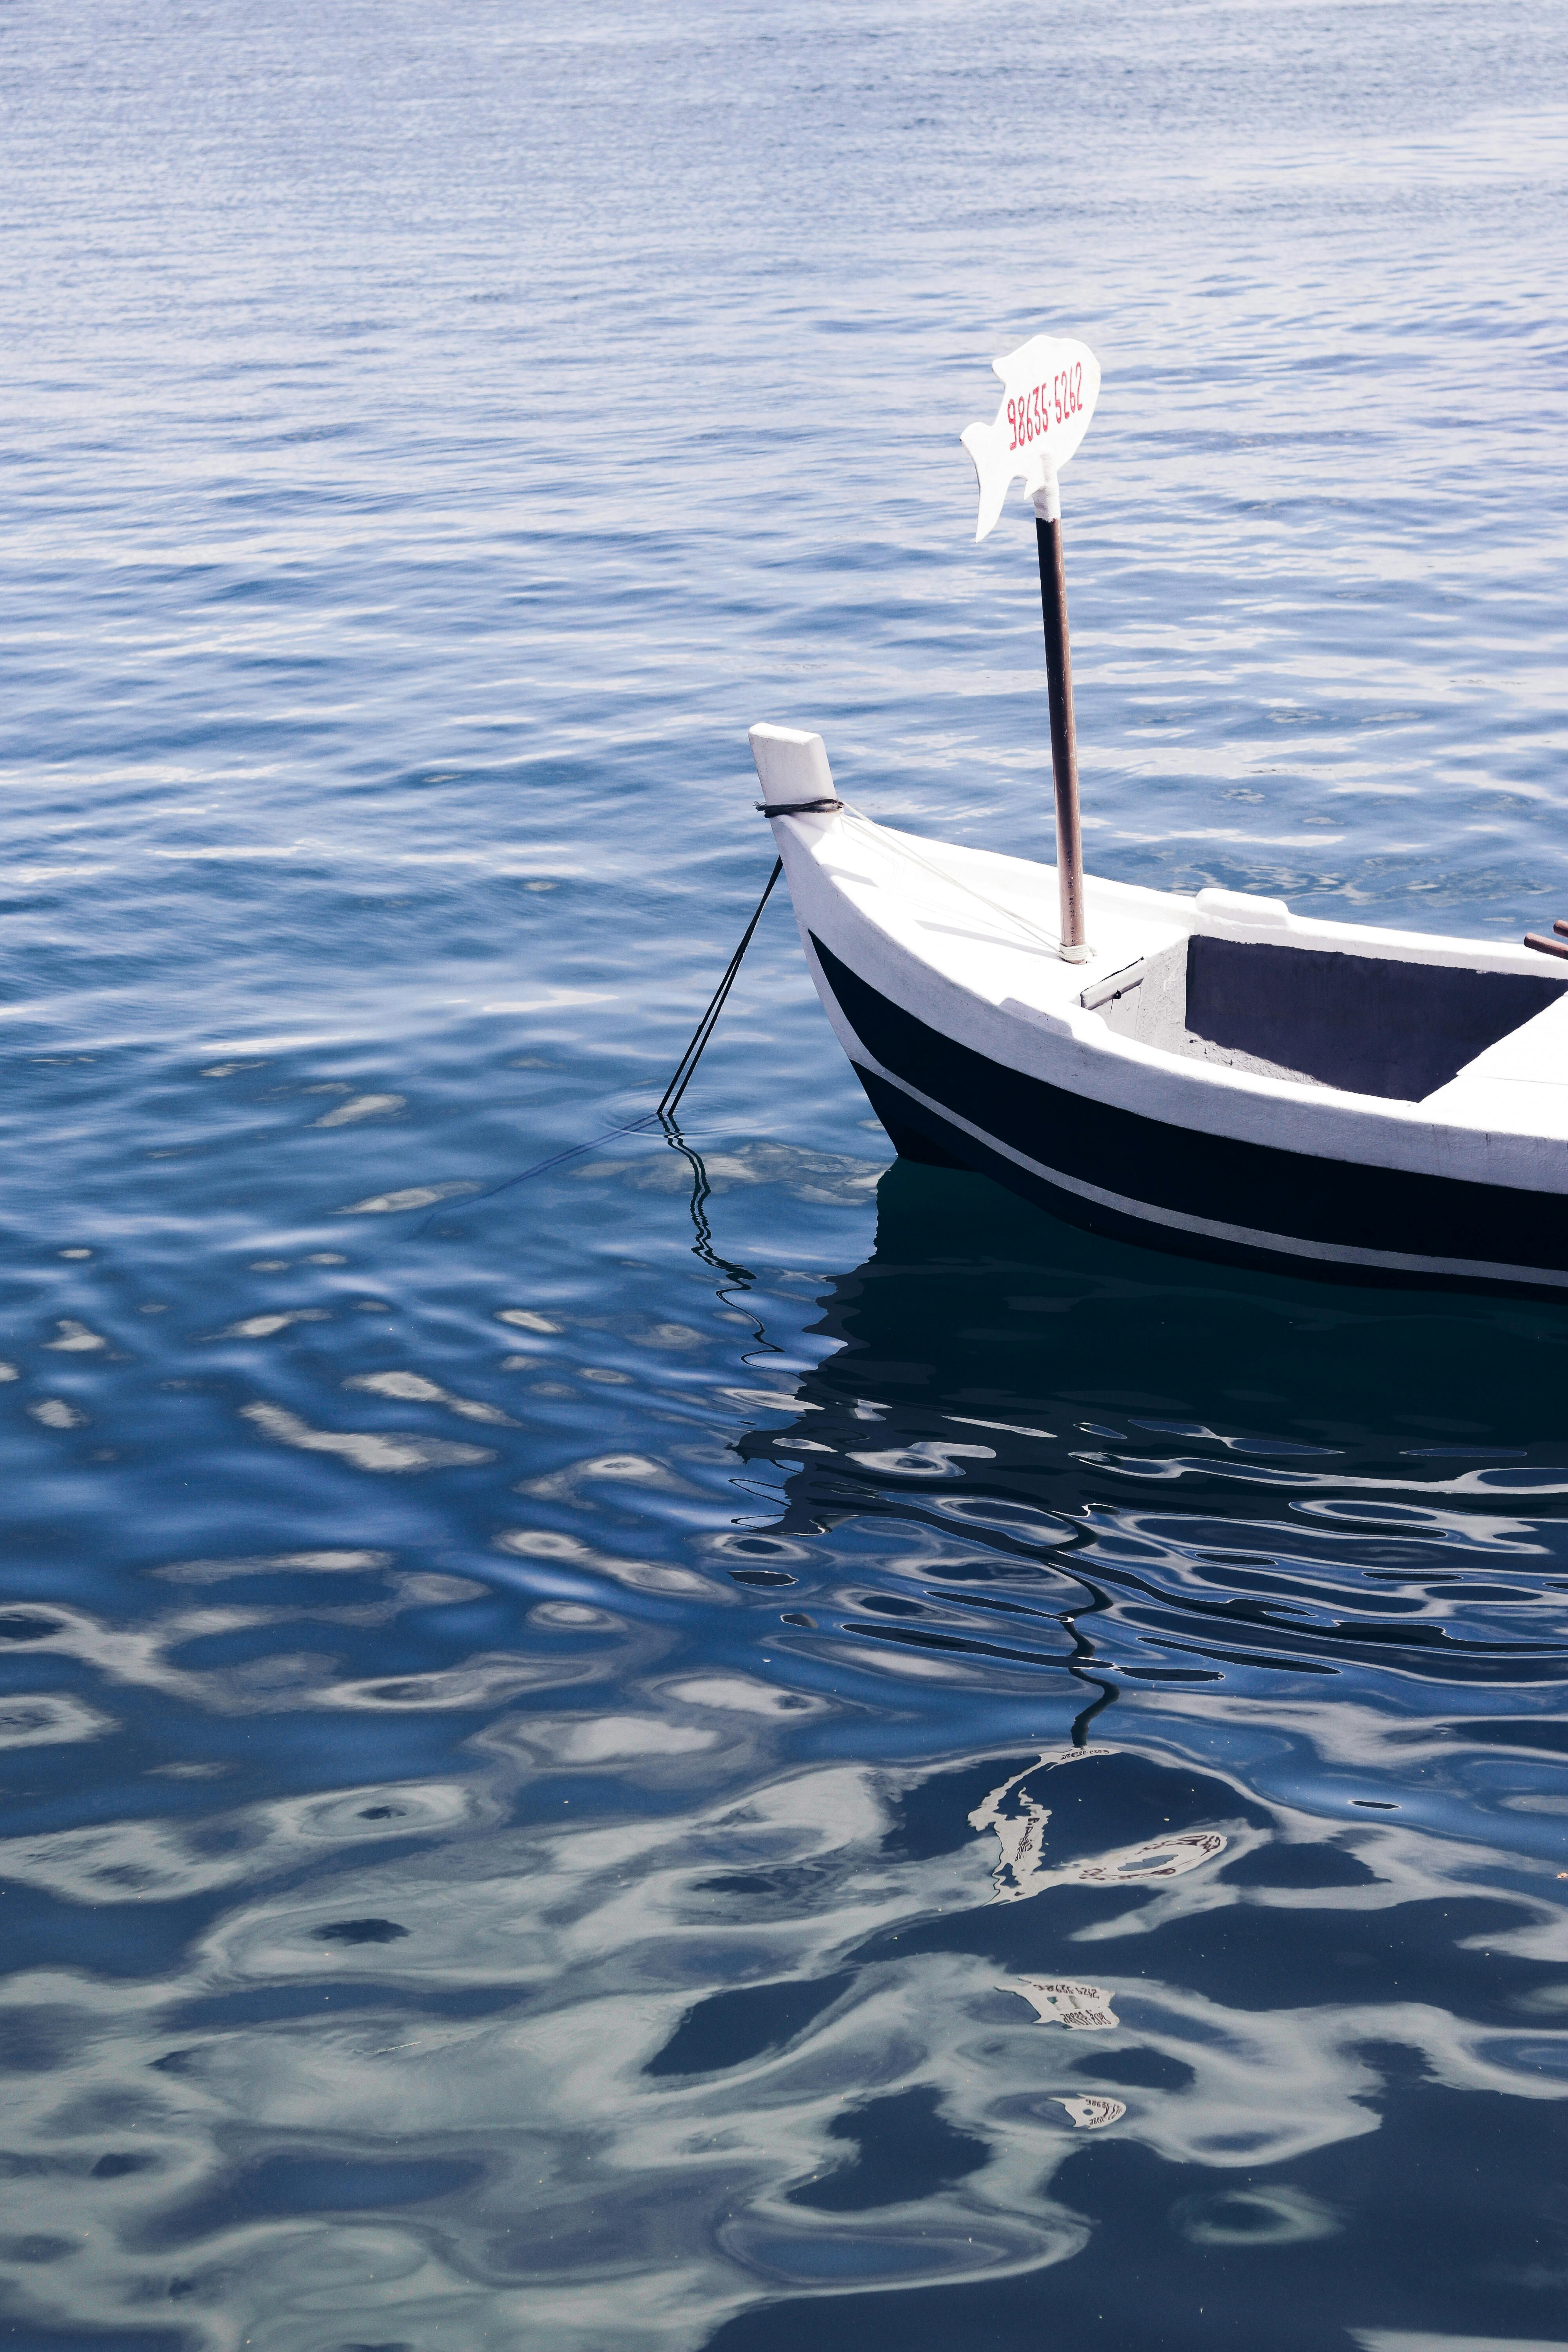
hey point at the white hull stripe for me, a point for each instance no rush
(1290, 1245)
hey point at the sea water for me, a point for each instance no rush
(732, 1744)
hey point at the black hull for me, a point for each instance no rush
(1110, 1170)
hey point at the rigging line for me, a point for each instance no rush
(900, 848)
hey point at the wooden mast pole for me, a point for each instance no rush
(1049, 386)
(1064, 734)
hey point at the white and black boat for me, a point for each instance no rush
(1211, 1074)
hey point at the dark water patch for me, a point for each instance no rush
(1303, 1866)
(730, 2029)
(27, 1625)
(359, 1931)
(1550, 1737)
(1252, 1955)
(904, 2149)
(1135, 2070)
(772, 1890)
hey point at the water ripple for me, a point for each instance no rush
(627, 1740)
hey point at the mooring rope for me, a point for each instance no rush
(677, 1084)
(704, 1029)
(684, 1069)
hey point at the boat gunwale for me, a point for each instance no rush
(1186, 909)
(1328, 1122)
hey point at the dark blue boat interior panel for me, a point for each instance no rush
(1371, 1024)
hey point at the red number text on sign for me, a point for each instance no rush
(1058, 403)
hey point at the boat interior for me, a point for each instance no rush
(1371, 1024)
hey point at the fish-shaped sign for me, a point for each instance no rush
(1048, 389)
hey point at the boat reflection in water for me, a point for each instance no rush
(1281, 1573)
(1025, 1445)
(1089, 1863)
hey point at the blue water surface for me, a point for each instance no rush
(732, 1744)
